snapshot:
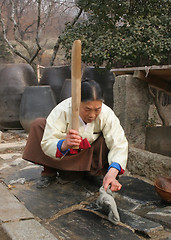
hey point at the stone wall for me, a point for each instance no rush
(131, 105)
(147, 164)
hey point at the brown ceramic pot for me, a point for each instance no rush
(163, 188)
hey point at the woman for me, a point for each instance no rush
(103, 148)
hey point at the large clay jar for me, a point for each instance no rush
(106, 80)
(13, 80)
(66, 90)
(55, 77)
(37, 101)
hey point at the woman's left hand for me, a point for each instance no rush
(110, 179)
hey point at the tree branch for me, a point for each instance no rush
(16, 29)
(8, 42)
(37, 32)
(57, 45)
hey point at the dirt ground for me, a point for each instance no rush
(13, 135)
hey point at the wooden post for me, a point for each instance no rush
(76, 83)
(38, 73)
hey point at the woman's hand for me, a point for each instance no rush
(72, 139)
(110, 179)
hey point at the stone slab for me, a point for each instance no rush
(84, 225)
(17, 162)
(148, 164)
(30, 173)
(158, 140)
(10, 208)
(139, 190)
(126, 203)
(162, 215)
(7, 156)
(57, 197)
(12, 146)
(3, 234)
(140, 224)
(27, 230)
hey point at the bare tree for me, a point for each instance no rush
(31, 22)
(30, 54)
(57, 45)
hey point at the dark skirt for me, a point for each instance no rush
(94, 159)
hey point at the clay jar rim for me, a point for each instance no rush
(168, 179)
(162, 189)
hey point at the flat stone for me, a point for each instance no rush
(7, 156)
(17, 162)
(138, 190)
(31, 173)
(10, 208)
(162, 215)
(27, 230)
(140, 224)
(126, 203)
(4, 166)
(56, 196)
(12, 146)
(82, 224)
(3, 234)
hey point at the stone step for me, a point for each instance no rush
(162, 215)
(140, 224)
(13, 146)
(16, 222)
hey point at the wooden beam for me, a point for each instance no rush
(132, 69)
(153, 80)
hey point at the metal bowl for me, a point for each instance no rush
(163, 188)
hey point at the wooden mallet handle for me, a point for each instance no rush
(76, 83)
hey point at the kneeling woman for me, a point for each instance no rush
(103, 148)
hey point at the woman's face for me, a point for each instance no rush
(90, 110)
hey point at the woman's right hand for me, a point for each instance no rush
(72, 139)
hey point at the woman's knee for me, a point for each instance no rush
(38, 122)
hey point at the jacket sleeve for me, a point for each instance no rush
(55, 130)
(115, 140)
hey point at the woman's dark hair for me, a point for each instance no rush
(90, 91)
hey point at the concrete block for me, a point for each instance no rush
(10, 208)
(27, 230)
(158, 140)
(147, 164)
